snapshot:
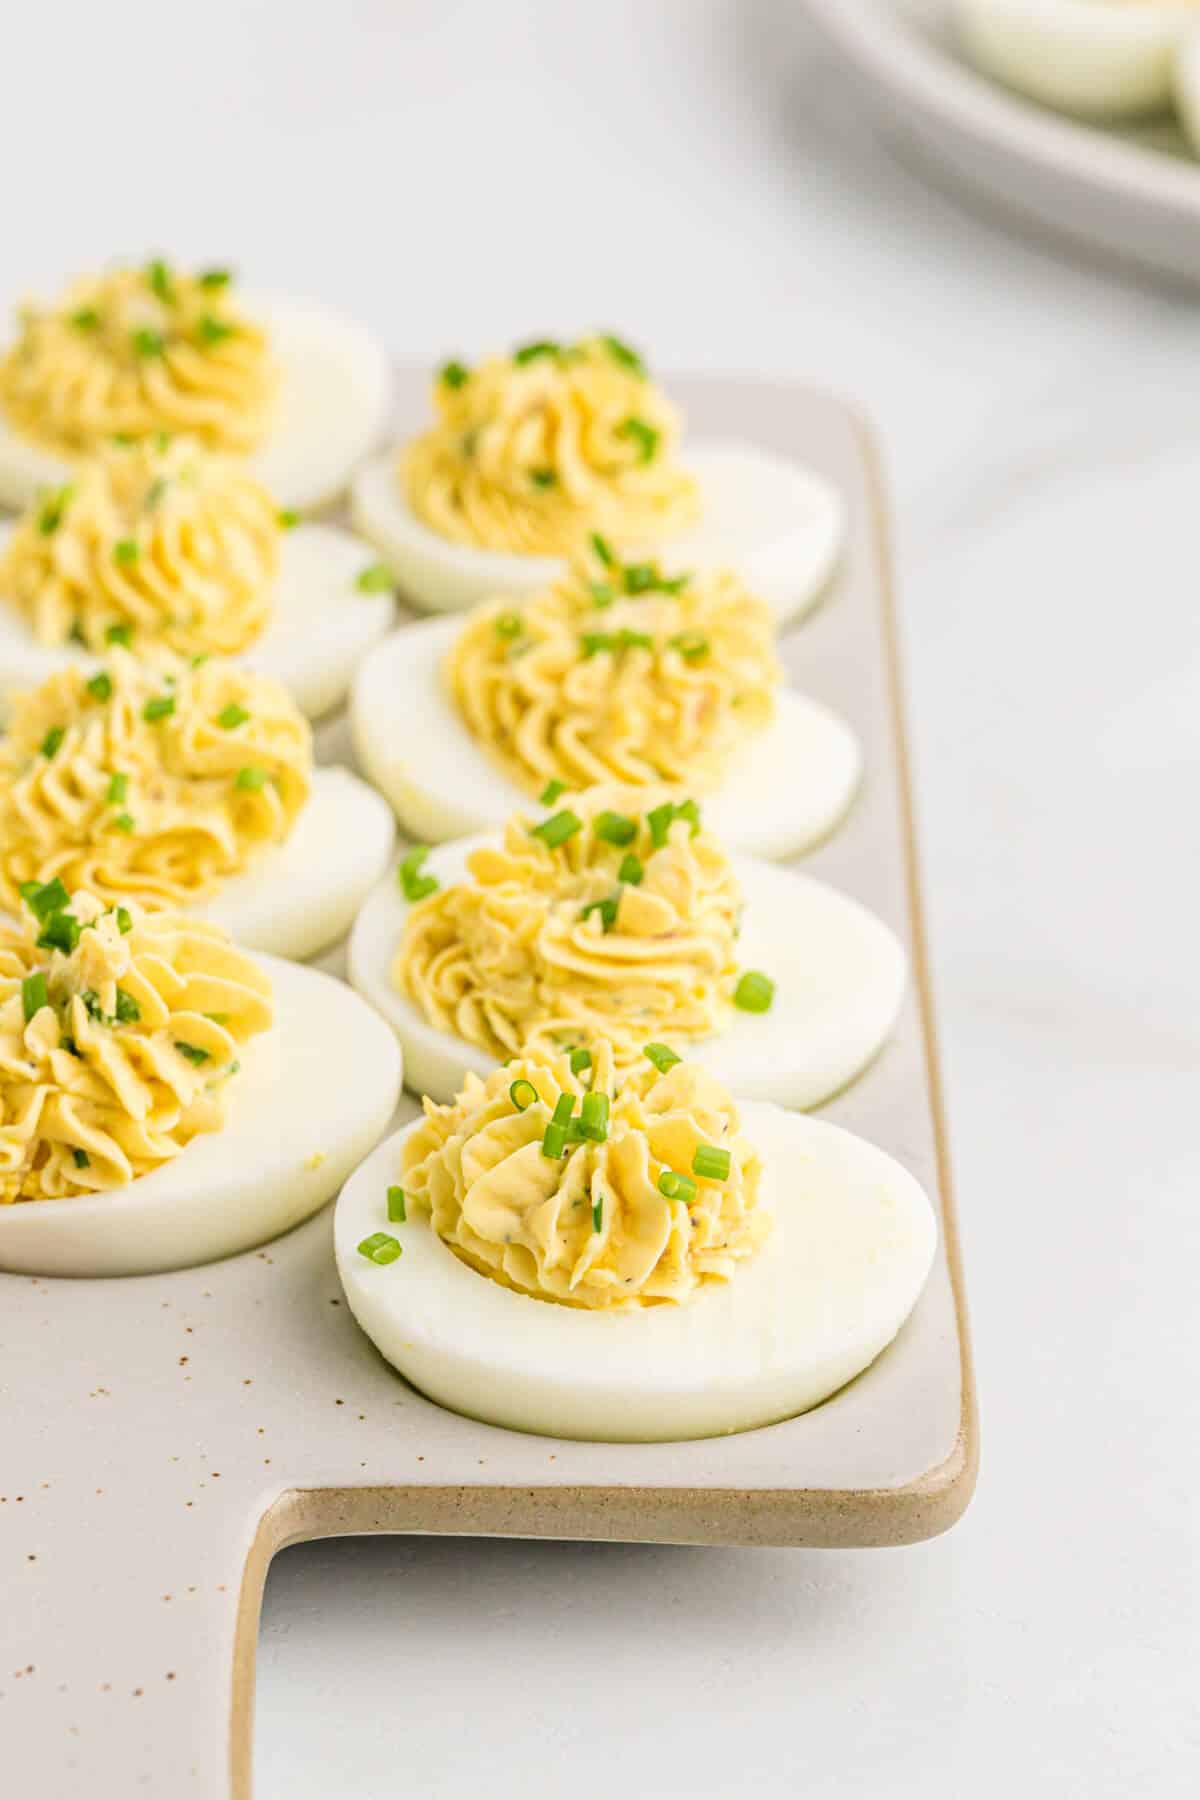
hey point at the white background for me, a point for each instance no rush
(461, 174)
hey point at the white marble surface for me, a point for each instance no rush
(463, 172)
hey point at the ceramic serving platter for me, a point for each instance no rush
(1130, 194)
(161, 1437)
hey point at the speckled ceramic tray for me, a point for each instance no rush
(162, 1437)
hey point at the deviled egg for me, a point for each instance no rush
(165, 1098)
(1104, 59)
(531, 453)
(628, 1255)
(616, 672)
(620, 916)
(173, 546)
(298, 390)
(183, 786)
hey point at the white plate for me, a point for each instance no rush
(1130, 192)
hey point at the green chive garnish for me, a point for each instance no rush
(128, 1011)
(522, 1094)
(231, 716)
(551, 791)
(581, 1059)
(640, 578)
(214, 331)
(52, 742)
(124, 923)
(593, 1115)
(530, 352)
(557, 828)
(51, 515)
(250, 779)
(288, 518)
(159, 706)
(123, 821)
(687, 809)
(158, 277)
(662, 1056)
(597, 1215)
(623, 353)
(693, 646)
(214, 278)
(44, 900)
(677, 1187)
(631, 870)
(126, 551)
(381, 1248)
(509, 625)
(554, 1140)
(86, 319)
(395, 1202)
(119, 634)
(34, 995)
(100, 686)
(660, 819)
(454, 374)
(593, 642)
(60, 932)
(643, 435)
(711, 1163)
(146, 342)
(416, 886)
(81, 1159)
(543, 478)
(194, 1054)
(564, 1106)
(376, 578)
(754, 992)
(607, 909)
(601, 592)
(614, 828)
(602, 550)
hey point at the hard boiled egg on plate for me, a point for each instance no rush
(851, 1244)
(839, 977)
(1096, 58)
(298, 1124)
(299, 389)
(787, 787)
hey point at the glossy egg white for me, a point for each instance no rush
(786, 790)
(840, 976)
(336, 395)
(1094, 58)
(779, 525)
(323, 623)
(852, 1244)
(300, 1121)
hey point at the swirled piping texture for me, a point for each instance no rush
(95, 1089)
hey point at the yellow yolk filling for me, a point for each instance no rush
(116, 1052)
(161, 538)
(533, 451)
(628, 940)
(590, 1227)
(631, 676)
(156, 782)
(140, 350)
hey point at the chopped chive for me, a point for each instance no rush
(214, 278)
(60, 932)
(634, 640)
(639, 578)
(643, 435)
(593, 642)
(631, 870)
(250, 780)
(564, 1106)
(146, 342)
(231, 716)
(554, 1140)
(454, 374)
(214, 331)
(754, 992)
(194, 1054)
(86, 319)
(91, 1002)
(660, 819)
(687, 809)
(126, 551)
(662, 1056)
(575, 1131)
(124, 921)
(158, 278)
(42, 900)
(123, 822)
(34, 995)
(159, 706)
(693, 646)
(597, 1215)
(606, 908)
(395, 1204)
(614, 828)
(51, 515)
(543, 478)
(677, 1187)
(675, 585)
(52, 742)
(128, 1011)
(376, 578)
(100, 686)
(551, 791)
(522, 1094)
(602, 550)
(416, 886)
(81, 1159)
(623, 353)
(711, 1163)
(287, 518)
(381, 1248)
(593, 1114)
(557, 828)
(509, 625)
(601, 592)
(119, 634)
(154, 494)
(581, 1059)
(530, 352)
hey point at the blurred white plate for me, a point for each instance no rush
(1132, 193)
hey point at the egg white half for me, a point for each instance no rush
(851, 1247)
(335, 398)
(779, 525)
(839, 975)
(1087, 57)
(301, 1119)
(786, 790)
(323, 624)
(302, 895)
